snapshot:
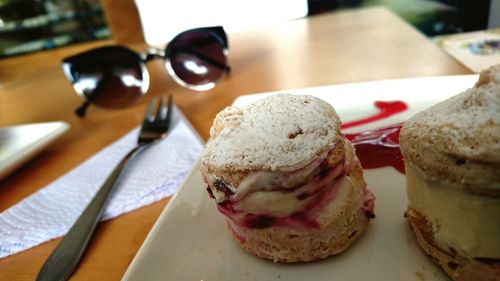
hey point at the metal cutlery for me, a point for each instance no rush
(62, 262)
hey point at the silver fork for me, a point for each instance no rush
(65, 257)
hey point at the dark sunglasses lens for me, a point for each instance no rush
(197, 58)
(111, 77)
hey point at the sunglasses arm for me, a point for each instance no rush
(82, 110)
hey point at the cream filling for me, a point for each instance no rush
(469, 223)
(280, 203)
(273, 203)
(253, 197)
(265, 180)
(283, 206)
(274, 193)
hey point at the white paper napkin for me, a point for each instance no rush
(51, 211)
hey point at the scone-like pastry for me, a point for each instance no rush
(289, 184)
(452, 162)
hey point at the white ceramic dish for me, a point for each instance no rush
(189, 240)
(20, 143)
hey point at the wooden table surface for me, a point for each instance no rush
(347, 46)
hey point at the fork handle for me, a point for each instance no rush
(65, 257)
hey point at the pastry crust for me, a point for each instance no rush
(458, 140)
(278, 133)
(456, 266)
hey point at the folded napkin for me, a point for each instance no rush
(51, 211)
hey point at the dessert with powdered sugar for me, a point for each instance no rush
(289, 184)
(452, 162)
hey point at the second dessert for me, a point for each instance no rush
(452, 161)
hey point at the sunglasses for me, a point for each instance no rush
(116, 76)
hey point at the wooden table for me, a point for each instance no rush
(348, 46)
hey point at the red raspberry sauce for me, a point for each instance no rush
(378, 148)
(386, 109)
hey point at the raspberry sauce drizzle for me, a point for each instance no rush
(386, 109)
(378, 148)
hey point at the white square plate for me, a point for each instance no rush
(20, 143)
(189, 240)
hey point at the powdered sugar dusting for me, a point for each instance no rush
(467, 124)
(276, 132)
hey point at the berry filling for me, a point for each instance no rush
(261, 207)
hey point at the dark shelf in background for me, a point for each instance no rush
(32, 25)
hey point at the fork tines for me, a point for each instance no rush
(156, 125)
(162, 113)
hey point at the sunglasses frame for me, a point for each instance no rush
(217, 32)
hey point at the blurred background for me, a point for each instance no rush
(28, 26)
(33, 25)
